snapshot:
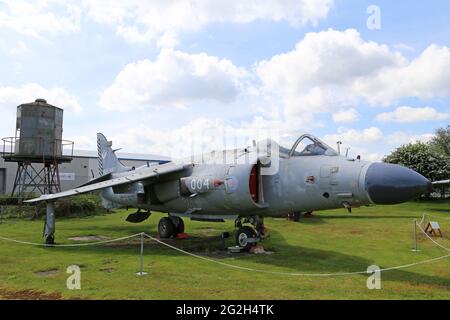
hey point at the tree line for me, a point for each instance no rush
(430, 159)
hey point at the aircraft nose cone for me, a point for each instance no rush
(390, 183)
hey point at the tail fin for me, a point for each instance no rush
(107, 159)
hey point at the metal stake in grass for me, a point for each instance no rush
(141, 273)
(415, 235)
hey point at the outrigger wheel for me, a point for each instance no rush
(170, 226)
(49, 239)
(246, 237)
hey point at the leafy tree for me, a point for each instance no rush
(423, 158)
(441, 141)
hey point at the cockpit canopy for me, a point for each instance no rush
(307, 145)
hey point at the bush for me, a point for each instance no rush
(423, 159)
(8, 200)
(81, 205)
(77, 206)
(17, 212)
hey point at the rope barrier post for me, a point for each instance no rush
(415, 236)
(141, 273)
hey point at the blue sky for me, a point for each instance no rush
(155, 76)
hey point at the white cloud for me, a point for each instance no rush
(194, 137)
(197, 136)
(411, 114)
(371, 157)
(203, 135)
(353, 136)
(350, 115)
(39, 18)
(325, 58)
(400, 138)
(425, 77)
(83, 142)
(403, 47)
(20, 49)
(331, 70)
(11, 97)
(174, 79)
(162, 21)
(158, 21)
(365, 153)
(317, 76)
(356, 142)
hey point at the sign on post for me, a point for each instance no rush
(433, 229)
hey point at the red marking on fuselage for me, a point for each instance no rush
(253, 183)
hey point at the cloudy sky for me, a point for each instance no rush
(154, 76)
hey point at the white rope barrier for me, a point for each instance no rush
(423, 218)
(70, 244)
(437, 243)
(437, 217)
(231, 265)
(291, 273)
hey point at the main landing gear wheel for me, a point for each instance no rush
(166, 228)
(179, 225)
(170, 226)
(246, 237)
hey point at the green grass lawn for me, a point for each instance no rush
(333, 241)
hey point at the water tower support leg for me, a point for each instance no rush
(49, 232)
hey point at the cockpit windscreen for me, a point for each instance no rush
(308, 145)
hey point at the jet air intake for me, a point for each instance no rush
(239, 187)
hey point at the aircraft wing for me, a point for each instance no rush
(134, 176)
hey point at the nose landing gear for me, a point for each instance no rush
(246, 236)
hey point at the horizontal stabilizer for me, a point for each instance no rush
(105, 177)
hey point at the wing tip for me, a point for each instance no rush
(41, 198)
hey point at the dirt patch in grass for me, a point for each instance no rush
(89, 238)
(125, 244)
(208, 230)
(356, 232)
(211, 246)
(28, 295)
(46, 273)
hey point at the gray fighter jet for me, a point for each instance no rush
(246, 185)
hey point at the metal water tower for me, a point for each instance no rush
(37, 147)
